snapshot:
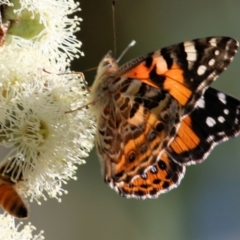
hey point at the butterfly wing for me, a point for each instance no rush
(159, 178)
(134, 128)
(184, 70)
(152, 99)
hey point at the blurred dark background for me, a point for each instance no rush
(206, 206)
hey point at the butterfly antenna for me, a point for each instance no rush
(114, 27)
(132, 43)
(90, 69)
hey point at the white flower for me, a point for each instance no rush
(45, 142)
(10, 231)
(43, 26)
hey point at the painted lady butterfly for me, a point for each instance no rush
(157, 114)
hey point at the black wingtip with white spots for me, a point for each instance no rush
(207, 58)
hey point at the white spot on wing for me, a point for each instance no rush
(153, 169)
(217, 52)
(210, 138)
(144, 176)
(201, 70)
(210, 122)
(211, 62)
(191, 52)
(226, 111)
(213, 42)
(201, 103)
(191, 56)
(228, 46)
(221, 119)
(221, 133)
(222, 97)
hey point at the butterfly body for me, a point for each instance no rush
(151, 121)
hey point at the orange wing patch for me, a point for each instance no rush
(141, 73)
(159, 178)
(174, 84)
(142, 70)
(186, 138)
(140, 151)
(171, 80)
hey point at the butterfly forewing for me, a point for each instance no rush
(184, 70)
(154, 114)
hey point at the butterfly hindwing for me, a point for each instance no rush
(134, 129)
(216, 118)
(156, 179)
(184, 70)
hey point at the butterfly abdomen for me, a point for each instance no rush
(11, 201)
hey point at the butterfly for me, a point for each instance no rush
(156, 114)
